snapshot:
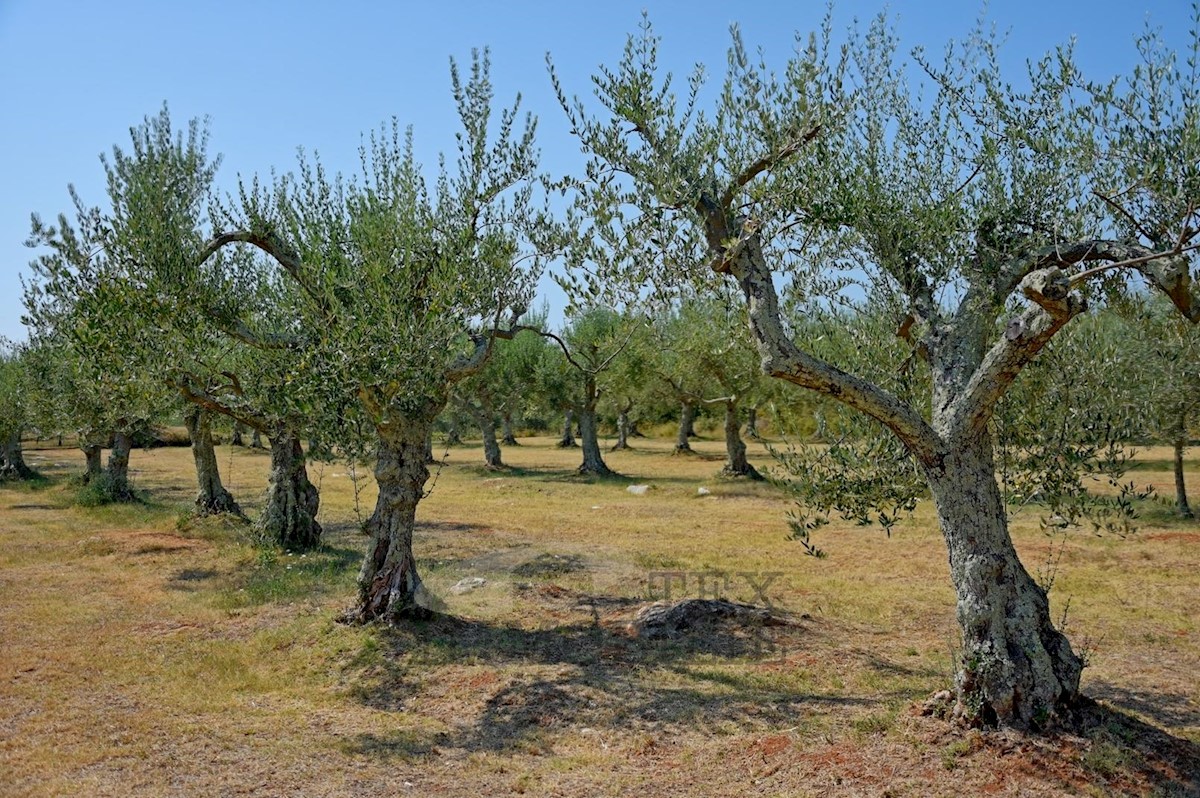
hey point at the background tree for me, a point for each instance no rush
(14, 412)
(181, 316)
(985, 211)
(592, 342)
(1161, 352)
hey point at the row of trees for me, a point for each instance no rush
(963, 226)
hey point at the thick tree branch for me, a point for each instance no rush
(1166, 269)
(188, 387)
(766, 163)
(781, 358)
(277, 248)
(1054, 304)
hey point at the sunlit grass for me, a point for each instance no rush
(147, 647)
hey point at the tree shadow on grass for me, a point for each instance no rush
(1124, 755)
(595, 675)
(1166, 709)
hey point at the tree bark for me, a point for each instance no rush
(1016, 668)
(256, 440)
(239, 430)
(487, 429)
(117, 469)
(290, 516)
(212, 497)
(687, 417)
(1181, 499)
(506, 428)
(453, 434)
(736, 464)
(589, 431)
(593, 460)
(752, 423)
(91, 454)
(12, 460)
(429, 458)
(389, 586)
(622, 431)
(567, 441)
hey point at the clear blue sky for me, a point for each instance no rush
(74, 76)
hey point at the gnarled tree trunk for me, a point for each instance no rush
(567, 441)
(117, 469)
(290, 516)
(1016, 668)
(92, 453)
(506, 429)
(687, 418)
(487, 429)
(12, 460)
(239, 430)
(256, 440)
(622, 431)
(429, 458)
(589, 432)
(736, 464)
(1181, 499)
(752, 423)
(212, 497)
(389, 585)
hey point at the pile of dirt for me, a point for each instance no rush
(664, 619)
(547, 565)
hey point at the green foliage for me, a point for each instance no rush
(105, 488)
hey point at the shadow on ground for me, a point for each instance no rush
(593, 674)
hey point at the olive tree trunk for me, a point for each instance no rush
(389, 585)
(237, 437)
(687, 418)
(1016, 668)
(589, 435)
(752, 423)
(567, 441)
(92, 453)
(256, 440)
(736, 464)
(12, 460)
(290, 516)
(487, 429)
(212, 497)
(623, 427)
(589, 432)
(506, 428)
(1181, 499)
(116, 472)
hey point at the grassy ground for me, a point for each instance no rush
(144, 654)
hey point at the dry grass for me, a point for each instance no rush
(145, 656)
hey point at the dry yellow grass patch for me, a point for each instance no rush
(146, 656)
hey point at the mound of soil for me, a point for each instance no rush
(545, 565)
(670, 619)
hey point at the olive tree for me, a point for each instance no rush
(14, 412)
(401, 288)
(150, 293)
(985, 210)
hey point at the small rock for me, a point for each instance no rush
(703, 491)
(467, 585)
(638, 490)
(939, 704)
